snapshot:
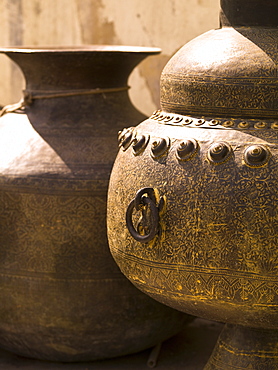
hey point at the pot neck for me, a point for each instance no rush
(89, 79)
(63, 69)
(249, 13)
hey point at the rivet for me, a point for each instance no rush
(213, 122)
(140, 144)
(168, 118)
(274, 125)
(187, 149)
(161, 117)
(178, 119)
(219, 152)
(125, 139)
(243, 124)
(256, 155)
(159, 147)
(228, 124)
(260, 125)
(155, 114)
(187, 121)
(121, 134)
(200, 122)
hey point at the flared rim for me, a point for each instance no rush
(80, 49)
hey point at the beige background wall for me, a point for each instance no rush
(167, 24)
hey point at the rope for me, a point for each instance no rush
(29, 97)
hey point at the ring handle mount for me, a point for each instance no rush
(148, 225)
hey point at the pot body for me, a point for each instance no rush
(199, 209)
(62, 296)
(215, 254)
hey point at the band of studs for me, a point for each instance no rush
(256, 155)
(180, 120)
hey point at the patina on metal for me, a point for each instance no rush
(62, 296)
(212, 155)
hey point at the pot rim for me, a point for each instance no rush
(79, 49)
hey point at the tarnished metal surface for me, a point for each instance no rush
(219, 240)
(228, 72)
(212, 154)
(62, 296)
(239, 347)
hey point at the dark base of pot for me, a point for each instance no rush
(245, 348)
(87, 347)
(188, 350)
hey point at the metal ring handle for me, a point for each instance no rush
(144, 201)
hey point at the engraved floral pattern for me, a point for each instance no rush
(220, 228)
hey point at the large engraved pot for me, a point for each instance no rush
(62, 297)
(192, 208)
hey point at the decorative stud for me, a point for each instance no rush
(228, 124)
(125, 138)
(121, 134)
(260, 125)
(187, 149)
(256, 155)
(214, 122)
(140, 143)
(168, 118)
(157, 114)
(178, 119)
(219, 152)
(243, 124)
(200, 122)
(160, 147)
(161, 117)
(187, 121)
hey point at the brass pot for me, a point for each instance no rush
(194, 224)
(62, 297)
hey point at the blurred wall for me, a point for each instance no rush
(167, 24)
